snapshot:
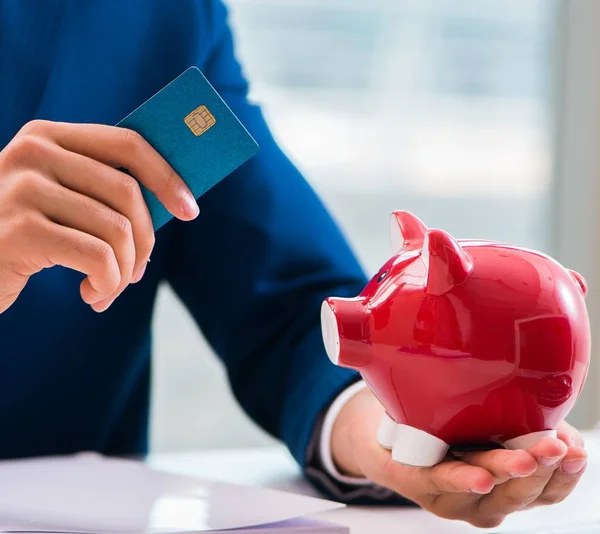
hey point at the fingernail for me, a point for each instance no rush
(103, 305)
(572, 467)
(550, 461)
(518, 475)
(96, 298)
(139, 274)
(480, 491)
(190, 206)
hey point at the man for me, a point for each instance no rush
(77, 291)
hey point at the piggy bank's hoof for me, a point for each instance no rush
(528, 440)
(387, 432)
(411, 446)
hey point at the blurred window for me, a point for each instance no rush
(436, 107)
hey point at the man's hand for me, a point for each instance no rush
(63, 202)
(481, 488)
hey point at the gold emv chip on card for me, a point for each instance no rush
(200, 120)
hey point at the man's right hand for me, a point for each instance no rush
(63, 202)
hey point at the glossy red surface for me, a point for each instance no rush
(470, 341)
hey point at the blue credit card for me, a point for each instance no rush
(194, 130)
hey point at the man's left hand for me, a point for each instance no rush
(481, 488)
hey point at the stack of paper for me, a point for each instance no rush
(90, 494)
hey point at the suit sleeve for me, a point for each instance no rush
(255, 266)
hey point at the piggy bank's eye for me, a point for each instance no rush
(382, 276)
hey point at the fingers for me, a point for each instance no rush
(517, 494)
(451, 489)
(464, 507)
(571, 436)
(87, 215)
(424, 485)
(455, 476)
(122, 148)
(60, 245)
(503, 464)
(113, 188)
(564, 479)
(102, 202)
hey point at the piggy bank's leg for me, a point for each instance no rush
(409, 445)
(387, 432)
(415, 447)
(528, 440)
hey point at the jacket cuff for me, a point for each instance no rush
(320, 469)
(324, 451)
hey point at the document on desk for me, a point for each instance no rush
(90, 494)
(294, 526)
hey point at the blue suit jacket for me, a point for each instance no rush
(252, 269)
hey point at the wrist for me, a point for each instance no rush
(348, 434)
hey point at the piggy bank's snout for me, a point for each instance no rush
(344, 329)
(330, 331)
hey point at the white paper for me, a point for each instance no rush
(298, 525)
(93, 494)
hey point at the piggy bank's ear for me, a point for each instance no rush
(407, 231)
(447, 263)
(579, 280)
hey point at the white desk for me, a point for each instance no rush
(274, 468)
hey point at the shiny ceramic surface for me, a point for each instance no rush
(469, 341)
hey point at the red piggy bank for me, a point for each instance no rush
(463, 342)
